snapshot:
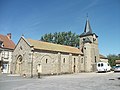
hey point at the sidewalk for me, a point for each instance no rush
(9, 77)
(13, 75)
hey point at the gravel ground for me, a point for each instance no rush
(81, 81)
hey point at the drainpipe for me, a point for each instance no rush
(84, 60)
(32, 63)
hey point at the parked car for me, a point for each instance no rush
(112, 68)
(103, 67)
(117, 69)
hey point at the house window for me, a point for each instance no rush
(6, 54)
(46, 60)
(64, 60)
(1, 44)
(11, 56)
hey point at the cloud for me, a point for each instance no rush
(90, 5)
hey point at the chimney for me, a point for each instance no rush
(9, 35)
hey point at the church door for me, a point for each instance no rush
(74, 68)
(39, 68)
(19, 65)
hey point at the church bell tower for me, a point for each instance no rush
(89, 48)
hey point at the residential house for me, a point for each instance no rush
(6, 49)
(117, 62)
(103, 58)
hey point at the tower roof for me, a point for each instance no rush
(87, 30)
(87, 27)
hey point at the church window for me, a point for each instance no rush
(81, 60)
(74, 60)
(83, 39)
(95, 59)
(46, 60)
(20, 47)
(64, 60)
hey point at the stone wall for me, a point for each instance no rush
(55, 62)
(48, 61)
(21, 62)
(91, 53)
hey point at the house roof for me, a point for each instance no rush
(102, 56)
(117, 61)
(7, 43)
(52, 47)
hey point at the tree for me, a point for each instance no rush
(112, 58)
(63, 38)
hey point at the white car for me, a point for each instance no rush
(117, 69)
(103, 67)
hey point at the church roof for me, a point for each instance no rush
(7, 42)
(87, 30)
(52, 47)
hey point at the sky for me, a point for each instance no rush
(34, 18)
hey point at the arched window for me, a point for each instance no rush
(46, 60)
(74, 60)
(81, 60)
(95, 59)
(19, 58)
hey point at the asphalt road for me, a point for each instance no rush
(81, 81)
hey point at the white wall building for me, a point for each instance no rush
(6, 49)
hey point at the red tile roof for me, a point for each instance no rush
(7, 43)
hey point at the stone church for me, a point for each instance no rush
(55, 58)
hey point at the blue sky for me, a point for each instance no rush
(34, 18)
